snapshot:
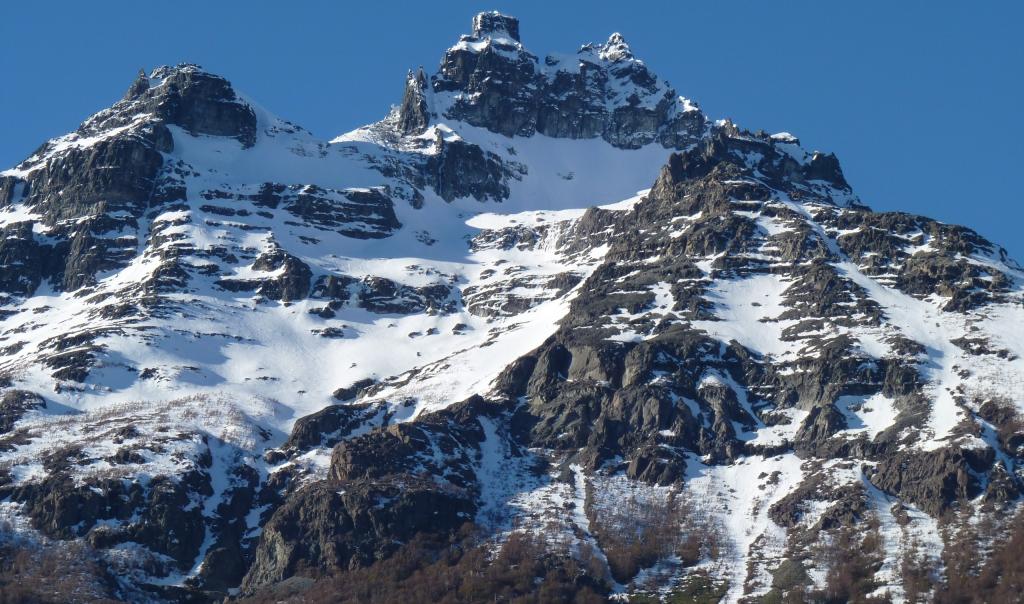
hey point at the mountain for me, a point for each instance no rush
(546, 331)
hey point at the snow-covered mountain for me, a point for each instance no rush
(543, 296)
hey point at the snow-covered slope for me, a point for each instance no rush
(211, 318)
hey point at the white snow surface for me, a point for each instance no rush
(235, 346)
(748, 310)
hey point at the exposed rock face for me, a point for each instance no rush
(940, 264)
(603, 91)
(14, 404)
(85, 199)
(118, 483)
(461, 169)
(89, 190)
(936, 480)
(356, 213)
(383, 488)
(185, 96)
(328, 426)
(290, 280)
(380, 295)
(495, 24)
(321, 529)
(23, 261)
(413, 116)
(383, 296)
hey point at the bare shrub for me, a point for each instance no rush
(640, 532)
(58, 573)
(999, 579)
(851, 562)
(466, 569)
(916, 571)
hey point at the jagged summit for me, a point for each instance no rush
(140, 85)
(603, 91)
(488, 79)
(615, 49)
(495, 24)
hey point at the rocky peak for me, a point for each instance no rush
(489, 80)
(412, 114)
(89, 189)
(495, 24)
(774, 160)
(183, 95)
(615, 49)
(139, 86)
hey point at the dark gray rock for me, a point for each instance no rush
(820, 425)
(185, 96)
(230, 555)
(935, 481)
(157, 516)
(847, 504)
(328, 527)
(327, 427)
(496, 24)
(291, 283)
(461, 169)
(413, 117)
(604, 93)
(361, 214)
(12, 189)
(381, 295)
(384, 487)
(16, 403)
(23, 262)
(347, 393)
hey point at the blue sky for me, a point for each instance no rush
(920, 100)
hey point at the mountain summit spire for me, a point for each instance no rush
(616, 48)
(494, 23)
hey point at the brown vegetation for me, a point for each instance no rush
(60, 574)
(466, 569)
(917, 573)
(999, 579)
(638, 533)
(851, 562)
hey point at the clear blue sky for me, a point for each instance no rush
(920, 100)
